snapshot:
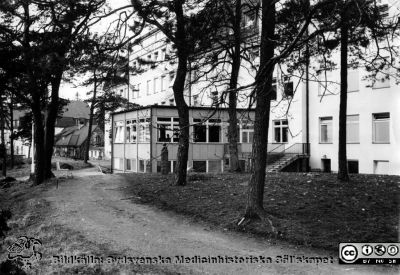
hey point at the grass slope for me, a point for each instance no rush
(309, 209)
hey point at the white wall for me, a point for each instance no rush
(365, 102)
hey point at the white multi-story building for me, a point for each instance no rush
(373, 131)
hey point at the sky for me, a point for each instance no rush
(74, 91)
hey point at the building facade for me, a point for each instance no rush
(298, 115)
(373, 129)
(140, 135)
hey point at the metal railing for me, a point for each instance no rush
(275, 148)
(298, 149)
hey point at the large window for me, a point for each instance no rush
(353, 129)
(199, 131)
(168, 129)
(214, 130)
(131, 132)
(353, 81)
(144, 130)
(381, 128)
(325, 126)
(209, 131)
(119, 132)
(148, 87)
(281, 131)
(247, 133)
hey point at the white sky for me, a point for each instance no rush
(69, 91)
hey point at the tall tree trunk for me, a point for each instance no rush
(263, 92)
(87, 143)
(342, 159)
(51, 118)
(11, 132)
(3, 148)
(183, 112)
(38, 139)
(233, 121)
(35, 92)
(178, 88)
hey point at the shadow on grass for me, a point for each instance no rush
(309, 209)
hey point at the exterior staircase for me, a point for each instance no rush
(290, 155)
(282, 163)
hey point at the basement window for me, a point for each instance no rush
(200, 166)
(352, 166)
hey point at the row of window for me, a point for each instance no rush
(144, 166)
(131, 165)
(168, 131)
(134, 131)
(154, 86)
(329, 83)
(203, 131)
(380, 128)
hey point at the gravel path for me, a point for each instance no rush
(96, 206)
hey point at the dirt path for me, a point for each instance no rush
(95, 205)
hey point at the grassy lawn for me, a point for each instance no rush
(309, 209)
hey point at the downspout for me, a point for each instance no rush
(112, 143)
(307, 106)
(124, 140)
(128, 77)
(190, 82)
(137, 141)
(151, 138)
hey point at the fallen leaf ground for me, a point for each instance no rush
(308, 209)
